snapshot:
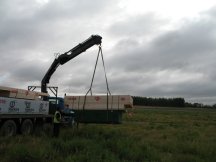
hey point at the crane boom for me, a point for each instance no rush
(67, 56)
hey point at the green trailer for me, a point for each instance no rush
(99, 116)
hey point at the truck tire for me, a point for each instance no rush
(27, 127)
(9, 128)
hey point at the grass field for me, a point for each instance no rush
(151, 134)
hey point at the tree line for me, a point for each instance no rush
(167, 102)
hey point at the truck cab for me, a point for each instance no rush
(68, 116)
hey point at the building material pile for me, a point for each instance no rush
(20, 101)
(99, 109)
(111, 102)
(20, 93)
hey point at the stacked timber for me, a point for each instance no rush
(101, 102)
(19, 101)
(20, 93)
(99, 108)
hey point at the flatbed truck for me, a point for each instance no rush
(21, 111)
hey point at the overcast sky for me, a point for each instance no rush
(151, 48)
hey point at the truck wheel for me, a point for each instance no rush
(27, 127)
(9, 128)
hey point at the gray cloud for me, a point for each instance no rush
(31, 25)
(189, 48)
(137, 26)
(175, 49)
(145, 58)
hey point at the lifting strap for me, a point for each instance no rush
(92, 80)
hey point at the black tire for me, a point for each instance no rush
(27, 127)
(9, 128)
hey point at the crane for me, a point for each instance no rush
(67, 56)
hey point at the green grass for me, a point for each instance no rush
(166, 135)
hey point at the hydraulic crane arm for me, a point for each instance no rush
(67, 56)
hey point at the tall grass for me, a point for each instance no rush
(148, 135)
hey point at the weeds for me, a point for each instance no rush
(149, 135)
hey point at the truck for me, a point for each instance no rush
(21, 111)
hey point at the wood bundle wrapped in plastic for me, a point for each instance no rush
(20, 93)
(99, 102)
